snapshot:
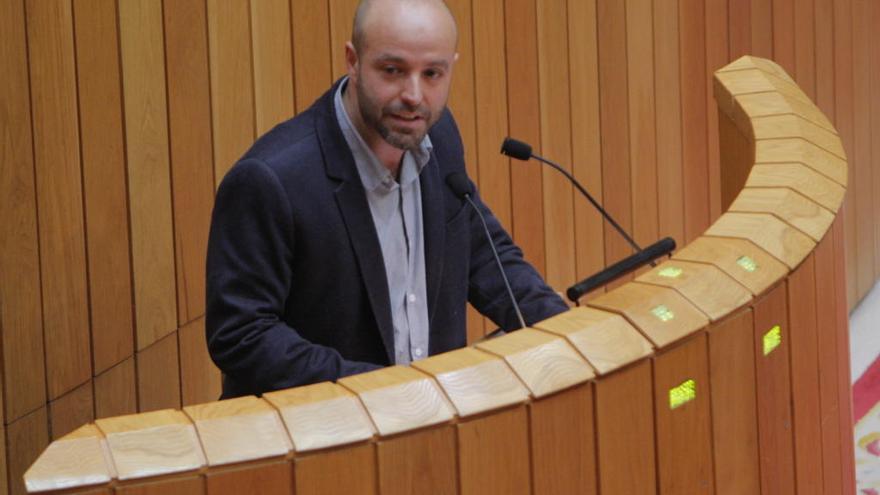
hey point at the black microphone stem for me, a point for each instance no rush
(522, 322)
(590, 198)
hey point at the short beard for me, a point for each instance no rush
(372, 117)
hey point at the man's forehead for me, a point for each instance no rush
(426, 21)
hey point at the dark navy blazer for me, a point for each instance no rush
(296, 287)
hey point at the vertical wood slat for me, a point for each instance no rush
(490, 93)
(59, 195)
(624, 419)
(270, 479)
(761, 28)
(670, 203)
(232, 84)
(784, 35)
(116, 391)
(175, 486)
(493, 454)
(642, 121)
(273, 63)
(104, 181)
(613, 93)
(200, 380)
(341, 15)
(523, 115)
(463, 106)
(805, 46)
(555, 112)
(586, 147)
(826, 315)
(352, 470)
(191, 151)
(692, 35)
(158, 375)
(21, 324)
(146, 127)
(805, 370)
(844, 386)
(734, 410)
(717, 49)
(411, 462)
(26, 438)
(563, 443)
(684, 432)
(843, 122)
(775, 443)
(71, 410)
(825, 79)
(312, 69)
(860, 154)
(875, 130)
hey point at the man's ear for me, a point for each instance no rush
(351, 60)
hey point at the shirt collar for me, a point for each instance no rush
(373, 174)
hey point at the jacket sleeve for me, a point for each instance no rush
(486, 291)
(250, 252)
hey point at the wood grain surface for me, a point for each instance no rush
(787, 205)
(734, 409)
(773, 378)
(269, 479)
(149, 176)
(783, 241)
(239, 430)
(70, 462)
(684, 431)
(727, 253)
(705, 286)
(116, 390)
(801, 151)
(563, 443)
(322, 415)
(493, 454)
(661, 314)
(352, 470)
(606, 340)
(400, 399)
(474, 381)
(799, 178)
(104, 181)
(412, 462)
(543, 362)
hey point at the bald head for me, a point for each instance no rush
(372, 13)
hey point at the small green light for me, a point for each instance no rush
(747, 264)
(772, 339)
(663, 313)
(670, 272)
(682, 394)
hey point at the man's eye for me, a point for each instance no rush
(391, 70)
(433, 74)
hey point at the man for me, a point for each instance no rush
(336, 246)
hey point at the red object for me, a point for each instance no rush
(866, 391)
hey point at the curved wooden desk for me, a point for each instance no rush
(723, 370)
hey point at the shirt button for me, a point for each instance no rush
(418, 352)
(411, 298)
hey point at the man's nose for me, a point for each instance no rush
(412, 91)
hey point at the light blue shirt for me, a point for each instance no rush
(396, 208)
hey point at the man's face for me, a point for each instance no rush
(402, 75)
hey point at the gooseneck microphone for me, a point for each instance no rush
(461, 186)
(523, 151)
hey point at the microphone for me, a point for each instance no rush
(523, 151)
(658, 249)
(461, 186)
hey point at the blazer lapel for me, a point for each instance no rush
(435, 231)
(352, 202)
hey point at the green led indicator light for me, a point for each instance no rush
(670, 272)
(682, 394)
(747, 264)
(663, 313)
(772, 339)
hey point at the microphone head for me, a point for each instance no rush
(516, 149)
(459, 183)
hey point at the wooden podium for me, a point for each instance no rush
(723, 370)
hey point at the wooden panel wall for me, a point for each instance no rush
(118, 119)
